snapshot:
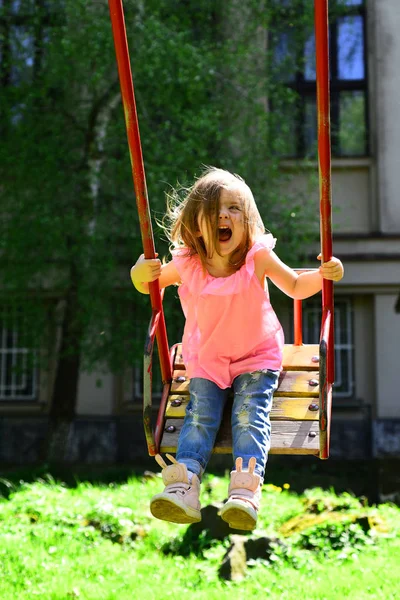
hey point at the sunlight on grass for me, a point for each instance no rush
(100, 542)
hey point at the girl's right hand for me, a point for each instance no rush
(145, 270)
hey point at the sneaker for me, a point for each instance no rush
(179, 502)
(241, 508)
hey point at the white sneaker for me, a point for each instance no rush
(241, 508)
(179, 502)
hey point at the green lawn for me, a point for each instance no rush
(101, 543)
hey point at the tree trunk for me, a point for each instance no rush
(65, 390)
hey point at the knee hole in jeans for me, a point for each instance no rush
(243, 415)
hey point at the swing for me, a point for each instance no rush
(301, 410)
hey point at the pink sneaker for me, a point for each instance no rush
(241, 508)
(179, 502)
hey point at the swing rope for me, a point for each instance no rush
(157, 325)
(325, 190)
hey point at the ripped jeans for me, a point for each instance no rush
(251, 426)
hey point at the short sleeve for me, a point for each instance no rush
(189, 269)
(266, 242)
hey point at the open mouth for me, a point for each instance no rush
(224, 233)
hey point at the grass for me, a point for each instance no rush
(99, 542)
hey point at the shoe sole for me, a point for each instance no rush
(166, 509)
(239, 517)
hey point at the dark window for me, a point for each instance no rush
(294, 64)
(344, 386)
(18, 371)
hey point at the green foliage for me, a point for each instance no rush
(317, 500)
(114, 523)
(328, 538)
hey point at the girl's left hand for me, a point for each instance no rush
(333, 269)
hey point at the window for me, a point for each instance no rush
(344, 344)
(18, 373)
(294, 64)
(136, 395)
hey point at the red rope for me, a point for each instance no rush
(138, 174)
(324, 159)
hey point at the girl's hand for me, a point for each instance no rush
(333, 269)
(146, 270)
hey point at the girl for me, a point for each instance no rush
(232, 339)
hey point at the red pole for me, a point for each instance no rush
(298, 322)
(138, 174)
(324, 160)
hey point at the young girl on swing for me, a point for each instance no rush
(232, 339)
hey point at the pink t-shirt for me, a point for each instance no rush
(231, 327)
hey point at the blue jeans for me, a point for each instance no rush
(251, 426)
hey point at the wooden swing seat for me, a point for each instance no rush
(294, 414)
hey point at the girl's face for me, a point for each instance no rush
(231, 230)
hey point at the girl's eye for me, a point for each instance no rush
(234, 207)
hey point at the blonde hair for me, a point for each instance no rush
(203, 198)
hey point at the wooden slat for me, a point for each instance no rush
(291, 383)
(283, 408)
(180, 383)
(178, 362)
(288, 437)
(297, 383)
(295, 358)
(293, 437)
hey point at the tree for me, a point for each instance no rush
(69, 225)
